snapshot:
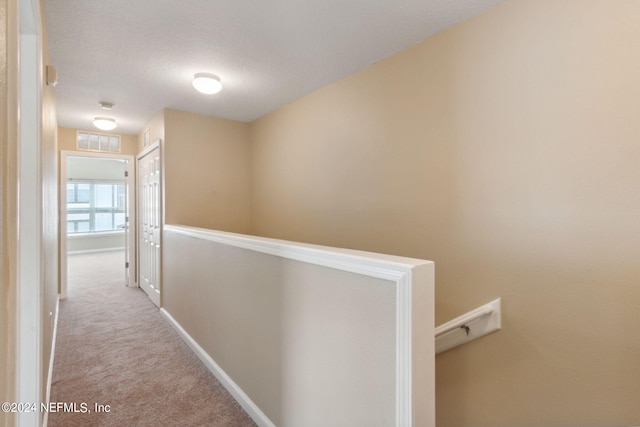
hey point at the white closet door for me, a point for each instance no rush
(149, 222)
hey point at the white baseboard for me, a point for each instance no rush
(95, 251)
(54, 337)
(247, 404)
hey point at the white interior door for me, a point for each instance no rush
(150, 222)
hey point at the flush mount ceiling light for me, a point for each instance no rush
(207, 83)
(106, 105)
(104, 123)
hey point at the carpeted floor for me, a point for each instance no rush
(114, 348)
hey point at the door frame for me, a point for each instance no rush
(29, 329)
(131, 207)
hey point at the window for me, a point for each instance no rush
(98, 142)
(95, 206)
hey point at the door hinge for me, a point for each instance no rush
(126, 174)
(126, 265)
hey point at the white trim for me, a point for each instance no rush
(386, 267)
(95, 251)
(62, 225)
(97, 154)
(97, 237)
(51, 358)
(149, 149)
(74, 236)
(404, 355)
(29, 364)
(241, 397)
(396, 269)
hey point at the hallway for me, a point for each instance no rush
(115, 353)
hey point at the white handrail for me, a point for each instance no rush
(461, 322)
(475, 324)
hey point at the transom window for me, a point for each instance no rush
(95, 206)
(89, 141)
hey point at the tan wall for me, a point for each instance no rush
(156, 131)
(67, 141)
(206, 171)
(506, 150)
(8, 200)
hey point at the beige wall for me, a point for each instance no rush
(206, 170)
(506, 150)
(67, 141)
(156, 131)
(8, 200)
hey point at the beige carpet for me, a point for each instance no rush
(114, 348)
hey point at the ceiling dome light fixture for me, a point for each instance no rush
(207, 83)
(104, 123)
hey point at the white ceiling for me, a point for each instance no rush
(142, 54)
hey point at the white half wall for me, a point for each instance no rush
(306, 335)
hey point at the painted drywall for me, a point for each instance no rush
(8, 201)
(155, 127)
(206, 171)
(506, 150)
(67, 140)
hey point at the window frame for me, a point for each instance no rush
(99, 136)
(118, 198)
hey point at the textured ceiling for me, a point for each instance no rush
(142, 54)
